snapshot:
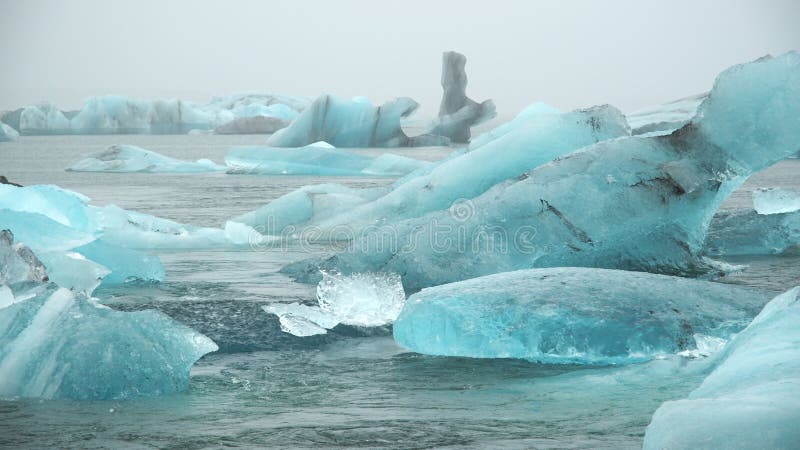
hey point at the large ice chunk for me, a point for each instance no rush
(316, 159)
(776, 200)
(44, 118)
(666, 118)
(60, 344)
(363, 300)
(347, 123)
(7, 133)
(126, 265)
(752, 399)
(638, 203)
(572, 315)
(745, 232)
(129, 158)
(458, 113)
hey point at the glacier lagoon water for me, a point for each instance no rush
(349, 387)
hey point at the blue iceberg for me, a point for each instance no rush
(129, 158)
(7, 133)
(745, 232)
(752, 399)
(572, 316)
(348, 123)
(636, 203)
(776, 201)
(126, 265)
(316, 159)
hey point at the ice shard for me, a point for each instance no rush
(129, 158)
(363, 300)
(751, 400)
(316, 159)
(776, 200)
(458, 113)
(636, 203)
(572, 316)
(7, 133)
(59, 344)
(666, 118)
(18, 264)
(348, 123)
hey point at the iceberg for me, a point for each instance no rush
(348, 123)
(316, 159)
(252, 125)
(362, 300)
(116, 114)
(776, 200)
(59, 344)
(572, 316)
(126, 265)
(129, 158)
(458, 113)
(746, 232)
(666, 118)
(635, 203)
(7, 133)
(73, 271)
(750, 400)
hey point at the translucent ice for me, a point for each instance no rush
(347, 123)
(776, 200)
(60, 344)
(458, 113)
(252, 125)
(362, 299)
(126, 265)
(44, 118)
(666, 118)
(752, 399)
(745, 232)
(316, 160)
(572, 315)
(7, 133)
(18, 263)
(638, 203)
(129, 158)
(73, 271)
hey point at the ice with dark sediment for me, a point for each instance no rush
(457, 112)
(751, 399)
(636, 203)
(130, 158)
(573, 316)
(666, 118)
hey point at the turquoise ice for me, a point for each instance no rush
(129, 158)
(752, 398)
(572, 316)
(745, 232)
(7, 133)
(776, 201)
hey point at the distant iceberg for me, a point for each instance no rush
(363, 300)
(752, 399)
(129, 158)
(458, 113)
(572, 316)
(776, 200)
(116, 114)
(7, 133)
(316, 159)
(745, 232)
(635, 203)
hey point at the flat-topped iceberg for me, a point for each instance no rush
(348, 123)
(129, 158)
(572, 316)
(59, 344)
(457, 112)
(752, 399)
(316, 159)
(776, 200)
(363, 300)
(636, 203)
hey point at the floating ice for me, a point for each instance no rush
(362, 299)
(776, 201)
(745, 232)
(666, 118)
(572, 315)
(283, 215)
(751, 400)
(129, 158)
(252, 125)
(7, 133)
(73, 271)
(18, 264)
(638, 203)
(126, 265)
(60, 344)
(347, 123)
(458, 113)
(316, 160)
(115, 114)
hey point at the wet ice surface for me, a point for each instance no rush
(350, 387)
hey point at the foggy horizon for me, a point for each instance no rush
(569, 55)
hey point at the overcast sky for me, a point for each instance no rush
(566, 53)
